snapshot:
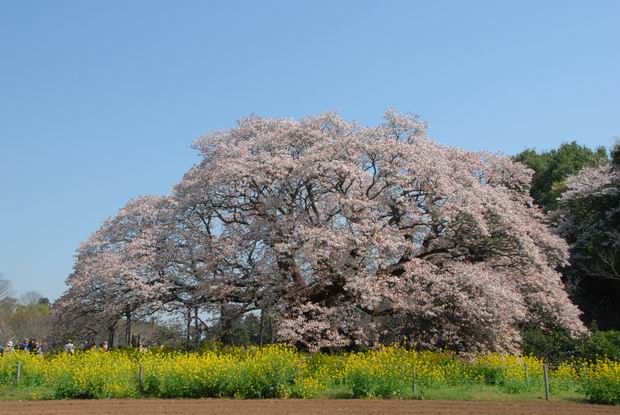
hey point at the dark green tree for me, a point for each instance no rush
(615, 154)
(588, 218)
(551, 168)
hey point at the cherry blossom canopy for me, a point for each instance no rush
(344, 234)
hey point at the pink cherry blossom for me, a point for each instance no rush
(345, 235)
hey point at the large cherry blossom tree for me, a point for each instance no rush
(355, 234)
(351, 235)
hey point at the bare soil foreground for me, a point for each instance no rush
(281, 407)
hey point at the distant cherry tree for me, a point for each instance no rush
(116, 272)
(344, 235)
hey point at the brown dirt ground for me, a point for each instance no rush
(281, 407)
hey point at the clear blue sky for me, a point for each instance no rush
(100, 101)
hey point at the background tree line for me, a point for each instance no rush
(23, 317)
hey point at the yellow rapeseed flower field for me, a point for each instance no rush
(278, 371)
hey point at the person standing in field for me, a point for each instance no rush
(37, 348)
(69, 347)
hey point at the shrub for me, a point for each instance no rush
(601, 381)
(558, 346)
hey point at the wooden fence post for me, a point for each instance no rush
(140, 382)
(527, 376)
(546, 375)
(18, 374)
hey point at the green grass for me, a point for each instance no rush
(337, 393)
(491, 393)
(461, 393)
(25, 393)
(470, 393)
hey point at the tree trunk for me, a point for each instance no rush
(196, 328)
(128, 329)
(262, 326)
(111, 332)
(225, 325)
(189, 327)
(271, 333)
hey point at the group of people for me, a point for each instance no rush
(35, 347)
(70, 347)
(29, 345)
